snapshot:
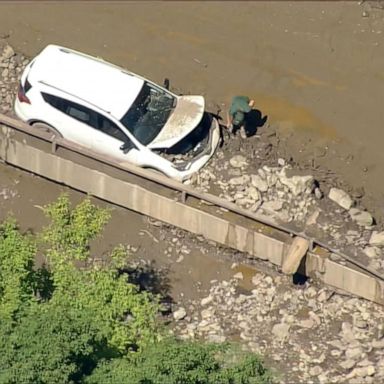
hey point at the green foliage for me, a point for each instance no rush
(71, 230)
(16, 269)
(81, 320)
(174, 362)
(76, 312)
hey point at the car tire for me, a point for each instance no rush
(47, 128)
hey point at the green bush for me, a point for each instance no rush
(80, 320)
(174, 362)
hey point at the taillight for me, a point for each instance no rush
(22, 96)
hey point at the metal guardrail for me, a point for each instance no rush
(184, 190)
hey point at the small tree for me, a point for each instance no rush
(92, 310)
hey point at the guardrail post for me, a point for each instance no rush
(54, 146)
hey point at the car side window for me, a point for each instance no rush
(77, 111)
(56, 102)
(110, 128)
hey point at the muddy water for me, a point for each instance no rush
(315, 68)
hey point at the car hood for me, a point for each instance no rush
(183, 120)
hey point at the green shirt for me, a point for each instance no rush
(239, 106)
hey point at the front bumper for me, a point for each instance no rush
(199, 161)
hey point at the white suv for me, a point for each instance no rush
(116, 112)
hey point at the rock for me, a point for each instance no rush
(370, 252)
(255, 206)
(313, 218)
(353, 353)
(206, 300)
(378, 344)
(281, 331)
(284, 216)
(244, 201)
(362, 218)
(253, 193)
(318, 193)
(179, 314)
(257, 279)
(241, 180)
(323, 296)
(238, 276)
(259, 183)
(297, 250)
(207, 313)
(347, 364)
(238, 161)
(308, 323)
(271, 180)
(296, 184)
(315, 371)
(341, 198)
(8, 52)
(347, 332)
(362, 372)
(216, 338)
(281, 162)
(275, 205)
(377, 238)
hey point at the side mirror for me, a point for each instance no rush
(126, 147)
(166, 83)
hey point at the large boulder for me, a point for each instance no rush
(179, 314)
(377, 239)
(296, 184)
(362, 218)
(341, 198)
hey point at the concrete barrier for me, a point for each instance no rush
(139, 199)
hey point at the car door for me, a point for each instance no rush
(71, 119)
(108, 139)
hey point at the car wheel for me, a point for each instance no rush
(47, 128)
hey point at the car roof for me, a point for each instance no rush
(102, 84)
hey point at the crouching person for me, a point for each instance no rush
(237, 114)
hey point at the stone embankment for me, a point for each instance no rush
(293, 197)
(310, 334)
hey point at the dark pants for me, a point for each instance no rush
(237, 127)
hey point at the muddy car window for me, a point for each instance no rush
(149, 113)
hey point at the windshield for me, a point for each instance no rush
(149, 113)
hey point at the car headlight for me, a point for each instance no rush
(182, 166)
